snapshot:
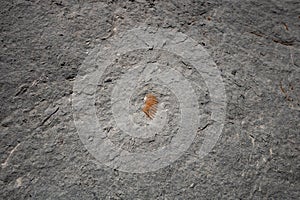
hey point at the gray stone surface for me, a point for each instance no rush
(255, 45)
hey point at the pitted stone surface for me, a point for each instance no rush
(255, 45)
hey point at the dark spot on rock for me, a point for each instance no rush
(233, 72)
(108, 80)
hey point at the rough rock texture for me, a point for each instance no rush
(256, 46)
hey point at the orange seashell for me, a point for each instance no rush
(150, 106)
